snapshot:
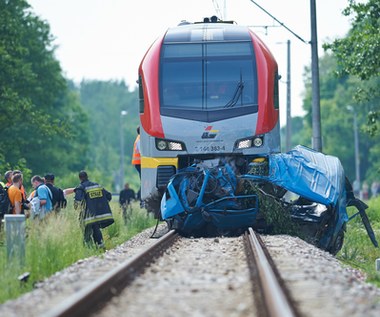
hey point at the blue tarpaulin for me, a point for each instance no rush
(310, 174)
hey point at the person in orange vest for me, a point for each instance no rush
(136, 161)
(136, 157)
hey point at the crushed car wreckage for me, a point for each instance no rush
(301, 192)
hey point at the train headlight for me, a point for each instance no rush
(161, 145)
(175, 146)
(244, 144)
(168, 145)
(256, 141)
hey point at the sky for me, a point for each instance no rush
(106, 39)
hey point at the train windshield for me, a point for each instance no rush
(204, 77)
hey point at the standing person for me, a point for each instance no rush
(42, 200)
(8, 177)
(5, 204)
(96, 213)
(136, 158)
(58, 200)
(23, 191)
(15, 194)
(365, 189)
(2, 184)
(374, 189)
(125, 197)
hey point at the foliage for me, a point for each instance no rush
(104, 101)
(338, 109)
(298, 126)
(39, 113)
(358, 54)
(56, 126)
(57, 243)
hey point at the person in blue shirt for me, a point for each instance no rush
(44, 196)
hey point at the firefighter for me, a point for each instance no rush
(95, 211)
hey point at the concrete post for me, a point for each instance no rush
(15, 238)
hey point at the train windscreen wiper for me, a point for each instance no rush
(237, 94)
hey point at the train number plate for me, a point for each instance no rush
(210, 148)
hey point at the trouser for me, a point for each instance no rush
(92, 234)
(138, 168)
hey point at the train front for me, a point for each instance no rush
(207, 91)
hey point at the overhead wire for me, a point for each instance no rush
(217, 9)
(281, 23)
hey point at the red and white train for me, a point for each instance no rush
(208, 91)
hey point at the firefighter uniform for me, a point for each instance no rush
(95, 210)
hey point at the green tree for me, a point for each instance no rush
(337, 93)
(358, 54)
(103, 102)
(40, 115)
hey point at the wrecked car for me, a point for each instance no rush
(301, 192)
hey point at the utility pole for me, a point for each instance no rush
(356, 142)
(316, 110)
(288, 104)
(357, 158)
(122, 114)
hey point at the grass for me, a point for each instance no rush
(57, 243)
(358, 250)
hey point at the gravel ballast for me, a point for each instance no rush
(319, 283)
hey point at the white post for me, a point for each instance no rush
(15, 238)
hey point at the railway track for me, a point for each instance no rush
(87, 301)
(268, 297)
(274, 299)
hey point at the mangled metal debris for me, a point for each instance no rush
(301, 192)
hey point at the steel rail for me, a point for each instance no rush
(276, 302)
(87, 300)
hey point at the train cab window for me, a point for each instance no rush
(208, 81)
(141, 96)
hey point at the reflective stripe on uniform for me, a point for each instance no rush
(99, 218)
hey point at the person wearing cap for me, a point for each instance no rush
(93, 201)
(59, 201)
